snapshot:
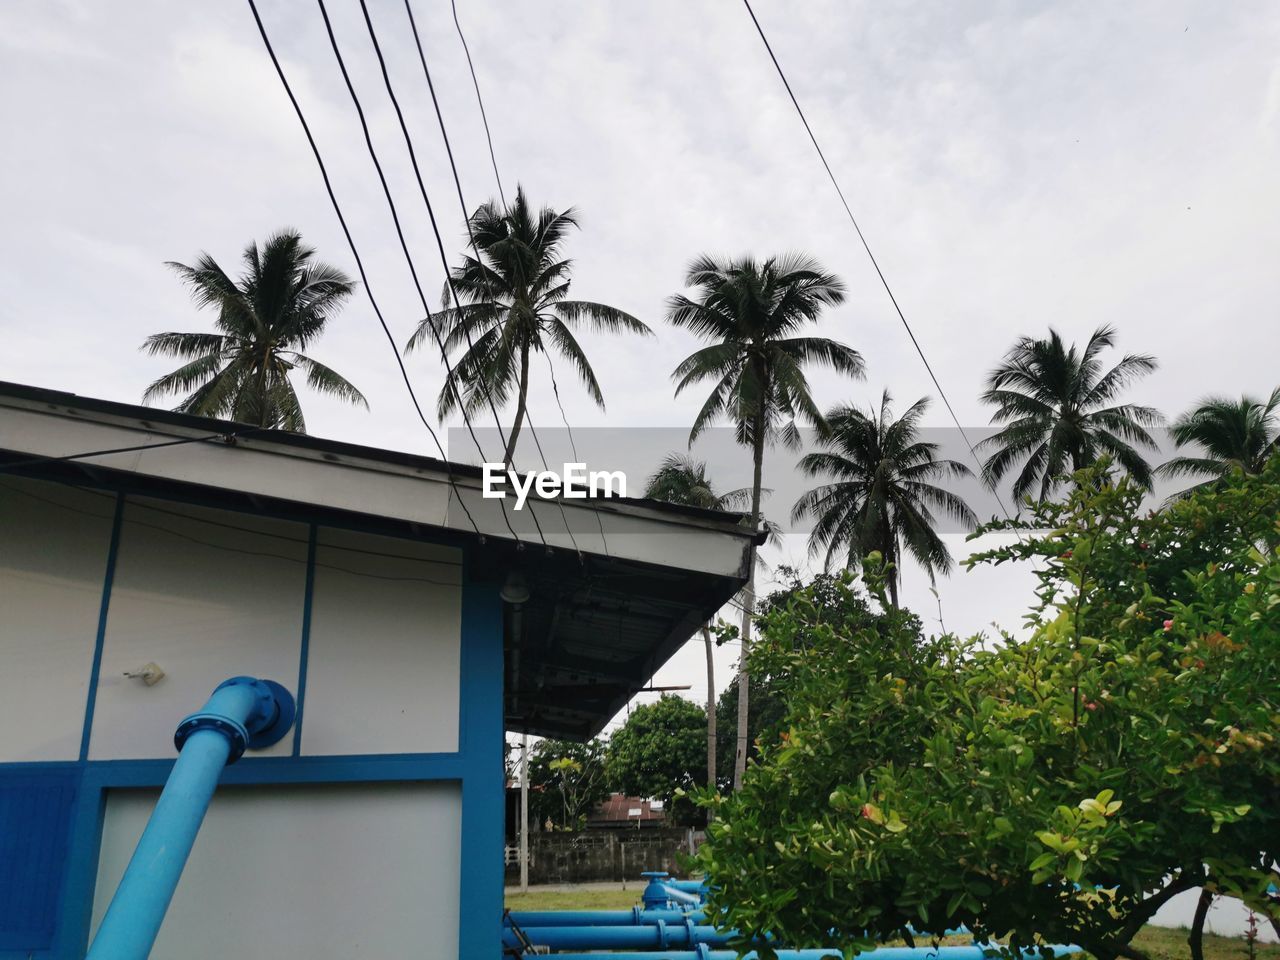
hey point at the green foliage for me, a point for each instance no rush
(566, 781)
(1231, 435)
(880, 492)
(513, 301)
(265, 320)
(1064, 785)
(1061, 411)
(660, 750)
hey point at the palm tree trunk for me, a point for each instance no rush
(749, 603)
(510, 452)
(895, 571)
(711, 706)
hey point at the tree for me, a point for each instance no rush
(681, 479)
(1060, 413)
(661, 749)
(1231, 434)
(278, 308)
(566, 781)
(880, 497)
(1061, 786)
(750, 311)
(512, 302)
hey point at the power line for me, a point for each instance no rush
(462, 204)
(404, 245)
(479, 99)
(866, 246)
(218, 437)
(471, 236)
(342, 220)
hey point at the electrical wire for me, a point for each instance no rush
(479, 99)
(404, 246)
(211, 438)
(866, 246)
(355, 253)
(239, 550)
(462, 203)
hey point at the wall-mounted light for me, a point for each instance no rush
(515, 589)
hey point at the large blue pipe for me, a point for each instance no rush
(822, 953)
(636, 916)
(243, 713)
(647, 936)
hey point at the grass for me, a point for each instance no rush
(1160, 943)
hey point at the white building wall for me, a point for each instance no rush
(54, 542)
(321, 872)
(384, 661)
(206, 595)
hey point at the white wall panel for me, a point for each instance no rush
(365, 871)
(206, 594)
(383, 669)
(53, 557)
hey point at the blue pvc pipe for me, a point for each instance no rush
(647, 936)
(636, 916)
(821, 953)
(242, 712)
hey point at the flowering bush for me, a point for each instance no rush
(1058, 788)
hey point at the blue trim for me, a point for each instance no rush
(483, 781)
(108, 579)
(307, 594)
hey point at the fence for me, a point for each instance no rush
(601, 855)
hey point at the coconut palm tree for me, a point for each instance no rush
(880, 495)
(750, 311)
(1060, 414)
(276, 310)
(1232, 434)
(514, 302)
(681, 479)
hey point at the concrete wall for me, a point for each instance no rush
(597, 855)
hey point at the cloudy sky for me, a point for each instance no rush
(1015, 166)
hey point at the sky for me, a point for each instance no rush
(1015, 166)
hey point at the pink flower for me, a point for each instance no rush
(1168, 625)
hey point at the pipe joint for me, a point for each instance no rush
(252, 714)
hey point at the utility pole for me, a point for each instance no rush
(524, 813)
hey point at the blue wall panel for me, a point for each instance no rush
(35, 820)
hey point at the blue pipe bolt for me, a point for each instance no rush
(243, 713)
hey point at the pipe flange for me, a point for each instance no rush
(236, 734)
(281, 719)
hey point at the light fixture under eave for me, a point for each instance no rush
(515, 589)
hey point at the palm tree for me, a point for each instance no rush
(750, 311)
(881, 494)
(513, 302)
(266, 319)
(1233, 434)
(1060, 413)
(681, 479)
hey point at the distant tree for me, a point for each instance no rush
(1060, 413)
(514, 302)
(265, 320)
(749, 312)
(1231, 434)
(566, 781)
(661, 748)
(682, 479)
(881, 495)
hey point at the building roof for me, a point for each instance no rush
(617, 808)
(617, 585)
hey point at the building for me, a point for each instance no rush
(371, 584)
(616, 812)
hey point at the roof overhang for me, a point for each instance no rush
(617, 585)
